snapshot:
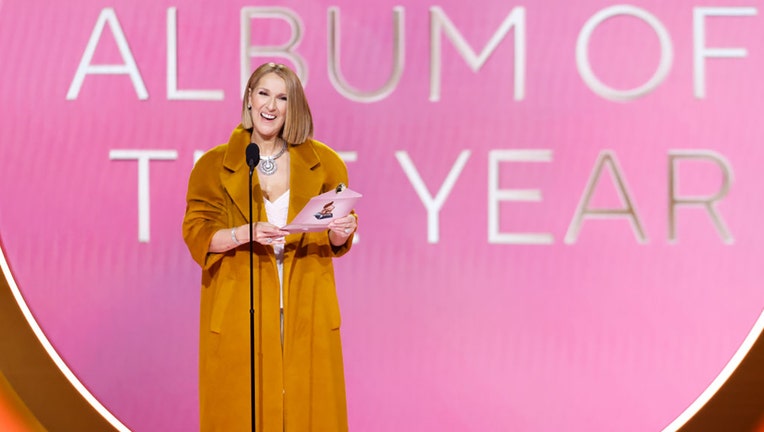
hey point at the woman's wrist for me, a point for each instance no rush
(234, 238)
(338, 240)
(239, 236)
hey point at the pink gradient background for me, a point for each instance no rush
(463, 335)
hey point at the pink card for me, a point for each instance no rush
(324, 208)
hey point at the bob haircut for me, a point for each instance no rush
(298, 126)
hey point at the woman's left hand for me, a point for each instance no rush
(341, 228)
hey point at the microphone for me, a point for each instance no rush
(253, 156)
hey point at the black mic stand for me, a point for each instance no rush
(253, 157)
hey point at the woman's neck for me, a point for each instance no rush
(268, 146)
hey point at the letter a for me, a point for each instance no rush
(128, 67)
(606, 159)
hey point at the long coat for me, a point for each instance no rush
(301, 388)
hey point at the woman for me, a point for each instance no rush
(299, 374)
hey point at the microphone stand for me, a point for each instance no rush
(252, 159)
(251, 305)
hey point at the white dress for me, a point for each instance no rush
(277, 212)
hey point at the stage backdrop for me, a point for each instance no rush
(560, 227)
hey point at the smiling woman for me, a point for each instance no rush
(293, 378)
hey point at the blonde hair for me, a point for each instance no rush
(298, 126)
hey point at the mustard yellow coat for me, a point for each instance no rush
(302, 388)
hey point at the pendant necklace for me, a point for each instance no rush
(267, 164)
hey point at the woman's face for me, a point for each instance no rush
(269, 105)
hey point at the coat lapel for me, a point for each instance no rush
(235, 176)
(306, 177)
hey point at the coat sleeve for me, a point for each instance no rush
(336, 173)
(206, 210)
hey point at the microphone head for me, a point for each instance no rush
(253, 155)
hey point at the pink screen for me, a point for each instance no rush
(558, 229)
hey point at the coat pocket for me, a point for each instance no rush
(220, 305)
(314, 298)
(331, 302)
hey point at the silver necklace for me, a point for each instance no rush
(267, 164)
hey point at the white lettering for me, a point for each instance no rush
(439, 22)
(285, 50)
(335, 73)
(585, 68)
(606, 158)
(143, 157)
(433, 206)
(173, 93)
(710, 202)
(528, 195)
(129, 66)
(700, 52)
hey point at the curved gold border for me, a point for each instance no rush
(721, 380)
(38, 374)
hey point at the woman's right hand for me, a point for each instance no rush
(268, 234)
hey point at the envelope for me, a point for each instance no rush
(322, 209)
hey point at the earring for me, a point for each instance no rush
(249, 107)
